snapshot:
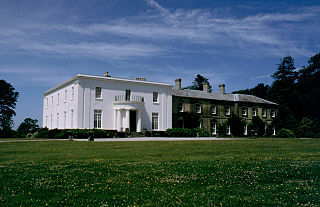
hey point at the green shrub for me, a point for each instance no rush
(201, 132)
(285, 133)
(184, 132)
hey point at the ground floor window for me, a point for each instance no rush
(155, 121)
(228, 131)
(245, 130)
(213, 128)
(71, 119)
(97, 119)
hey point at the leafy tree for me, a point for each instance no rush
(308, 128)
(236, 125)
(261, 90)
(28, 126)
(198, 82)
(257, 125)
(8, 99)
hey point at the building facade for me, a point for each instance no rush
(104, 102)
(208, 110)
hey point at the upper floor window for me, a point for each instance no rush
(65, 95)
(244, 111)
(273, 113)
(128, 95)
(254, 111)
(155, 121)
(264, 113)
(213, 109)
(47, 102)
(65, 120)
(97, 119)
(51, 100)
(98, 93)
(227, 110)
(155, 97)
(198, 108)
(180, 107)
(72, 93)
(58, 99)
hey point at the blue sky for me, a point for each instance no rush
(239, 43)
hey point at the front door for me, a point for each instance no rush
(133, 121)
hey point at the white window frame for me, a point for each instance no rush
(71, 117)
(244, 111)
(264, 112)
(64, 119)
(65, 95)
(227, 110)
(98, 92)
(72, 93)
(273, 113)
(155, 97)
(213, 109)
(97, 120)
(254, 111)
(198, 108)
(245, 130)
(128, 95)
(178, 107)
(155, 121)
(213, 127)
(58, 99)
(228, 130)
(57, 120)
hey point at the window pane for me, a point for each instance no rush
(97, 119)
(180, 107)
(128, 94)
(155, 121)
(98, 92)
(155, 96)
(213, 109)
(198, 108)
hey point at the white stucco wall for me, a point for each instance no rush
(84, 102)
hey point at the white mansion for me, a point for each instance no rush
(104, 102)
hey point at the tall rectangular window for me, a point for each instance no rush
(254, 111)
(51, 121)
(155, 121)
(264, 113)
(72, 93)
(128, 95)
(46, 121)
(155, 97)
(65, 95)
(47, 102)
(228, 131)
(65, 120)
(57, 120)
(245, 130)
(227, 110)
(98, 93)
(198, 108)
(213, 128)
(51, 100)
(58, 99)
(273, 113)
(71, 124)
(213, 109)
(97, 119)
(180, 107)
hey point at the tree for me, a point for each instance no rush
(286, 70)
(236, 125)
(261, 90)
(28, 126)
(198, 82)
(8, 99)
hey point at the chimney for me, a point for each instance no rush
(141, 78)
(222, 89)
(106, 74)
(178, 84)
(205, 87)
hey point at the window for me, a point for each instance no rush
(245, 130)
(198, 108)
(47, 102)
(199, 123)
(273, 113)
(264, 113)
(65, 95)
(71, 124)
(180, 107)
(51, 100)
(244, 111)
(213, 109)
(213, 128)
(65, 120)
(51, 120)
(97, 119)
(98, 93)
(57, 120)
(128, 95)
(155, 97)
(228, 131)
(227, 110)
(155, 121)
(58, 99)
(72, 93)
(254, 111)
(46, 121)
(274, 130)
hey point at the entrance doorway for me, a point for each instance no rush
(133, 121)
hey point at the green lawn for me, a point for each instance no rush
(261, 172)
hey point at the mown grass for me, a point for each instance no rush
(261, 172)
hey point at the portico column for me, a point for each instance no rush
(118, 120)
(127, 125)
(139, 122)
(115, 119)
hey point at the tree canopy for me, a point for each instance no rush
(28, 126)
(198, 82)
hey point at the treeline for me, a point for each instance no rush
(297, 91)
